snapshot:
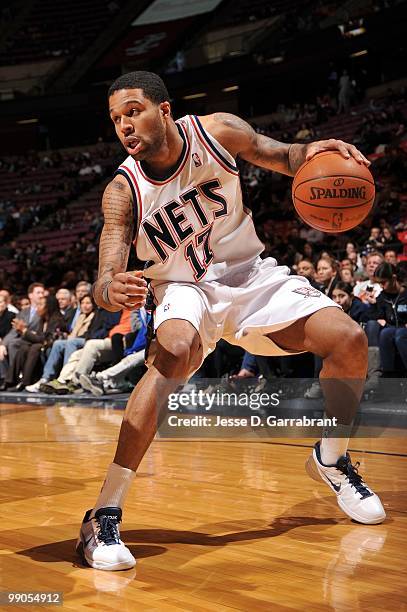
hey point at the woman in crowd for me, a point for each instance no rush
(27, 358)
(353, 306)
(388, 327)
(327, 274)
(62, 349)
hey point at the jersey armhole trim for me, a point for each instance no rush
(137, 208)
(220, 158)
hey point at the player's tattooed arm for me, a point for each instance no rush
(116, 289)
(239, 138)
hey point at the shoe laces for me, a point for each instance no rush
(108, 531)
(351, 472)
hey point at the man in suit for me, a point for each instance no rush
(27, 319)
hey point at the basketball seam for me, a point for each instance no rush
(315, 178)
(335, 207)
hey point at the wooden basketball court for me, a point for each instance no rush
(215, 525)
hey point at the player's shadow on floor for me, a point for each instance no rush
(146, 542)
(151, 542)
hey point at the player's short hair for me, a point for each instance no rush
(152, 85)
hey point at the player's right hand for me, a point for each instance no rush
(128, 290)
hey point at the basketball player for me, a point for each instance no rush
(179, 193)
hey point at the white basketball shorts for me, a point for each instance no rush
(242, 307)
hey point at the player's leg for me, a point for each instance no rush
(178, 348)
(343, 346)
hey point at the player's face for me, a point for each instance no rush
(342, 298)
(139, 123)
(3, 304)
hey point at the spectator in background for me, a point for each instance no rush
(28, 319)
(82, 288)
(5, 317)
(390, 257)
(390, 317)
(306, 268)
(23, 302)
(327, 274)
(103, 324)
(389, 240)
(353, 306)
(344, 93)
(368, 290)
(5, 326)
(374, 240)
(7, 297)
(62, 349)
(347, 277)
(64, 297)
(27, 358)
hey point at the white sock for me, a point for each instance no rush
(115, 488)
(332, 449)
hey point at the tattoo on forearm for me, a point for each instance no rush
(255, 148)
(296, 156)
(116, 236)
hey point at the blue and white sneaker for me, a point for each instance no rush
(99, 542)
(353, 495)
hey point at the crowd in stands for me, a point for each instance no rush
(77, 346)
(56, 342)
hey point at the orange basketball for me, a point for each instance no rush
(333, 194)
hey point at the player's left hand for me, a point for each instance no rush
(344, 148)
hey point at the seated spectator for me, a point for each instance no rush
(5, 326)
(306, 268)
(368, 290)
(62, 349)
(387, 327)
(23, 302)
(353, 306)
(390, 257)
(7, 297)
(97, 346)
(64, 297)
(347, 277)
(27, 319)
(327, 274)
(390, 241)
(27, 358)
(114, 379)
(6, 316)
(374, 240)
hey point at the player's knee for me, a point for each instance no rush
(353, 342)
(174, 359)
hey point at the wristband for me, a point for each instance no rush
(105, 293)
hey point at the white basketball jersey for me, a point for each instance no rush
(191, 224)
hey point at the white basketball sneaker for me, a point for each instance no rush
(353, 495)
(99, 542)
